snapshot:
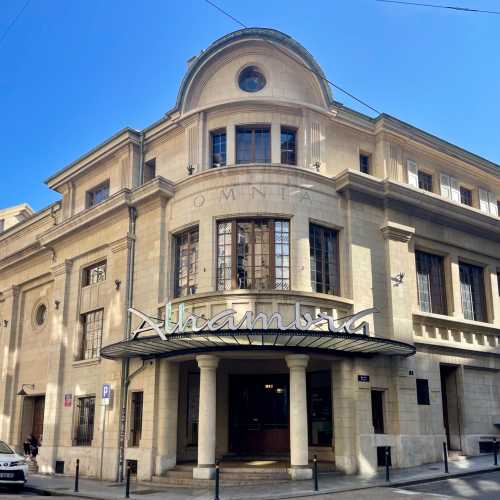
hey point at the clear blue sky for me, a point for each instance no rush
(72, 73)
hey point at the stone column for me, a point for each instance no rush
(9, 309)
(57, 351)
(166, 419)
(207, 417)
(299, 441)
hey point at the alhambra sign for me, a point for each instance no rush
(226, 321)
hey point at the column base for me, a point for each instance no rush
(204, 472)
(164, 463)
(299, 473)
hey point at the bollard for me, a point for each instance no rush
(315, 472)
(77, 474)
(495, 451)
(217, 479)
(127, 484)
(445, 456)
(387, 451)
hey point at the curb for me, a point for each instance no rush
(299, 494)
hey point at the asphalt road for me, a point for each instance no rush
(481, 487)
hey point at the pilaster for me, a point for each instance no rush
(57, 351)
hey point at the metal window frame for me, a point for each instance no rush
(98, 337)
(136, 434)
(88, 435)
(213, 133)
(87, 270)
(90, 194)
(294, 130)
(325, 229)
(253, 128)
(177, 237)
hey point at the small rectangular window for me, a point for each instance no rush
(92, 325)
(465, 196)
(94, 274)
(430, 283)
(136, 418)
(218, 141)
(288, 146)
(149, 171)
(424, 181)
(85, 421)
(186, 263)
(378, 411)
(98, 194)
(472, 292)
(364, 163)
(423, 397)
(253, 144)
(324, 259)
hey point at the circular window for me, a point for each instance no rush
(251, 79)
(41, 315)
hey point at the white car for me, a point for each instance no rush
(13, 467)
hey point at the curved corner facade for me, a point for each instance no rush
(259, 194)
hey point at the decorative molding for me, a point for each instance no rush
(397, 232)
(10, 293)
(122, 243)
(62, 268)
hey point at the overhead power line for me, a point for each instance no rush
(449, 7)
(277, 47)
(14, 21)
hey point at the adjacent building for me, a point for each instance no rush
(260, 194)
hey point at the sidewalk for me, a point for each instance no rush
(328, 483)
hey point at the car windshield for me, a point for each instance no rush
(4, 448)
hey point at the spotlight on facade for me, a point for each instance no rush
(190, 169)
(117, 284)
(6, 323)
(22, 392)
(57, 303)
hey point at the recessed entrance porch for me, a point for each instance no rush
(257, 403)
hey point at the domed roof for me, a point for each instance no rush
(280, 41)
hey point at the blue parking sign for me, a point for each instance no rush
(106, 393)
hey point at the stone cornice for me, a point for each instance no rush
(397, 232)
(20, 255)
(157, 187)
(122, 244)
(421, 203)
(89, 159)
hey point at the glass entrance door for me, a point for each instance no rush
(259, 415)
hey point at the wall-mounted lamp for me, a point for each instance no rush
(57, 303)
(117, 284)
(398, 279)
(6, 323)
(22, 392)
(317, 165)
(190, 169)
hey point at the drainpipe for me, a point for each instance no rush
(125, 379)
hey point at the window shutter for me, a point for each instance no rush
(493, 204)
(411, 167)
(455, 189)
(484, 202)
(445, 186)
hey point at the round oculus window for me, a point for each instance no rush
(41, 315)
(251, 79)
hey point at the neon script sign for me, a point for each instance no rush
(227, 321)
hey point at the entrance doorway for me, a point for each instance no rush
(451, 406)
(259, 414)
(33, 410)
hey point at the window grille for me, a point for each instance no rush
(94, 274)
(136, 429)
(85, 421)
(92, 323)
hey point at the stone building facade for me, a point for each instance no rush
(258, 193)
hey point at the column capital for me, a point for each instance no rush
(207, 361)
(62, 268)
(397, 232)
(123, 243)
(297, 360)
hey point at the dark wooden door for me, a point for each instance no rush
(38, 410)
(259, 414)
